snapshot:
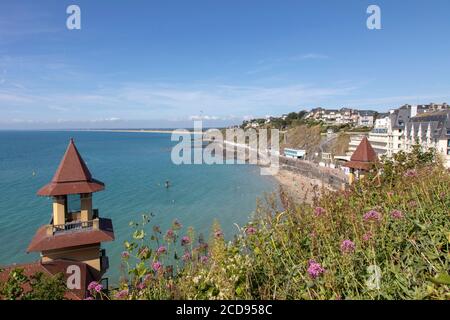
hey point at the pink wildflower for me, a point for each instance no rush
(315, 269)
(319, 211)
(372, 215)
(98, 288)
(125, 255)
(186, 256)
(250, 230)
(121, 294)
(397, 214)
(185, 240)
(367, 236)
(92, 285)
(347, 246)
(141, 286)
(156, 266)
(170, 234)
(411, 173)
(161, 250)
(203, 259)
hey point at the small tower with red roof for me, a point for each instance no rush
(76, 230)
(362, 160)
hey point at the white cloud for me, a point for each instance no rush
(138, 101)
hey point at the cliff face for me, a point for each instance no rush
(303, 137)
(340, 145)
(309, 138)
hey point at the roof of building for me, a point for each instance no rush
(366, 113)
(433, 125)
(52, 268)
(72, 176)
(364, 156)
(44, 242)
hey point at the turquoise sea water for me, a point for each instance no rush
(134, 167)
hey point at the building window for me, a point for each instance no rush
(448, 143)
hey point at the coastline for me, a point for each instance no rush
(298, 187)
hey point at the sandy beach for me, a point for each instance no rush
(299, 188)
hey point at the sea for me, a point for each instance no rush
(134, 167)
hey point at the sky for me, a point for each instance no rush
(165, 63)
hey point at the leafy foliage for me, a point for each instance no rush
(41, 287)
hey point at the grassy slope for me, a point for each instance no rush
(406, 250)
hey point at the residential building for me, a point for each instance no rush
(430, 130)
(366, 118)
(342, 116)
(427, 124)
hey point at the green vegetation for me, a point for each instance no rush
(386, 237)
(36, 287)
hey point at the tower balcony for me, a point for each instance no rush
(72, 234)
(74, 224)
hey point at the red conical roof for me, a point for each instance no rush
(364, 152)
(72, 176)
(363, 157)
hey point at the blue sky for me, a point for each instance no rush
(164, 63)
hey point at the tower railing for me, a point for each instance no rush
(73, 226)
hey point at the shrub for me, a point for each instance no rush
(18, 286)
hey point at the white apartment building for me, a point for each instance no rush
(427, 124)
(366, 118)
(430, 130)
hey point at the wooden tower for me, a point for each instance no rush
(76, 230)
